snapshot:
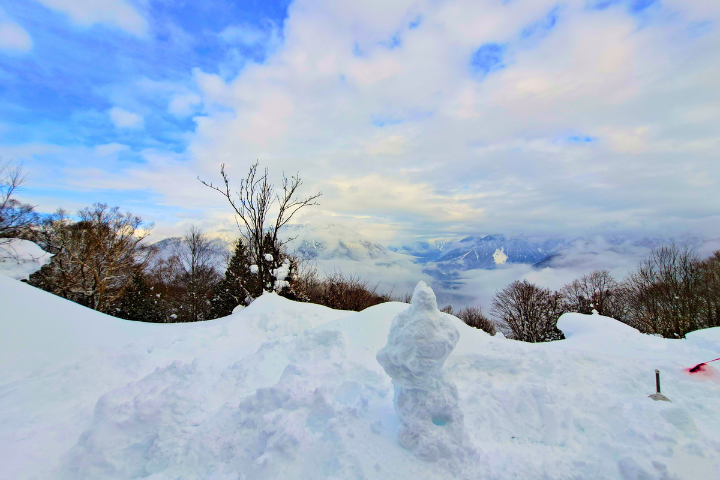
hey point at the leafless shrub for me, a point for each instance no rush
(196, 273)
(710, 269)
(530, 312)
(309, 281)
(665, 294)
(597, 291)
(447, 309)
(474, 317)
(343, 292)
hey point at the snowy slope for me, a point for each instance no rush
(285, 390)
(20, 258)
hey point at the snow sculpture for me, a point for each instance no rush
(426, 402)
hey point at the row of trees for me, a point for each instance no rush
(94, 257)
(101, 260)
(188, 285)
(672, 292)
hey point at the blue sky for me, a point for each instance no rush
(414, 118)
(61, 90)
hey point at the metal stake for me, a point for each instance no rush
(657, 396)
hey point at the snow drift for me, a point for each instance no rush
(286, 390)
(20, 258)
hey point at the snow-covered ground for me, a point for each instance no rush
(282, 390)
(20, 258)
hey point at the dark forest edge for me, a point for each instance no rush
(101, 260)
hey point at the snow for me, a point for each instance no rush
(288, 390)
(281, 274)
(254, 269)
(499, 256)
(20, 258)
(426, 401)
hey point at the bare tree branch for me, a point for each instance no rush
(16, 218)
(252, 204)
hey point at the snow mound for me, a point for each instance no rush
(577, 325)
(21, 258)
(289, 390)
(604, 335)
(426, 402)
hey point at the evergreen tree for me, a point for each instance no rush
(282, 271)
(243, 283)
(235, 289)
(138, 302)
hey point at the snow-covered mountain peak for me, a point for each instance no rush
(332, 241)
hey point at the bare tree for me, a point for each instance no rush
(597, 291)
(341, 292)
(710, 268)
(447, 309)
(95, 257)
(530, 312)
(665, 294)
(197, 259)
(16, 218)
(474, 317)
(252, 204)
(163, 277)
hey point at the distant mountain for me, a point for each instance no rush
(336, 248)
(604, 252)
(221, 248)
(334, 242)
(309, 242)
(483, 252)
(426, 251)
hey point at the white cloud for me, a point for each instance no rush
(28, 150)
(110, 149)
(243, 34)
(310, 106)
(375, 195)
(13, 37)
(116, 13)
(459, 154)
(184, 104)
(124, 119)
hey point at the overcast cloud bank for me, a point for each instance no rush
(416, 119)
